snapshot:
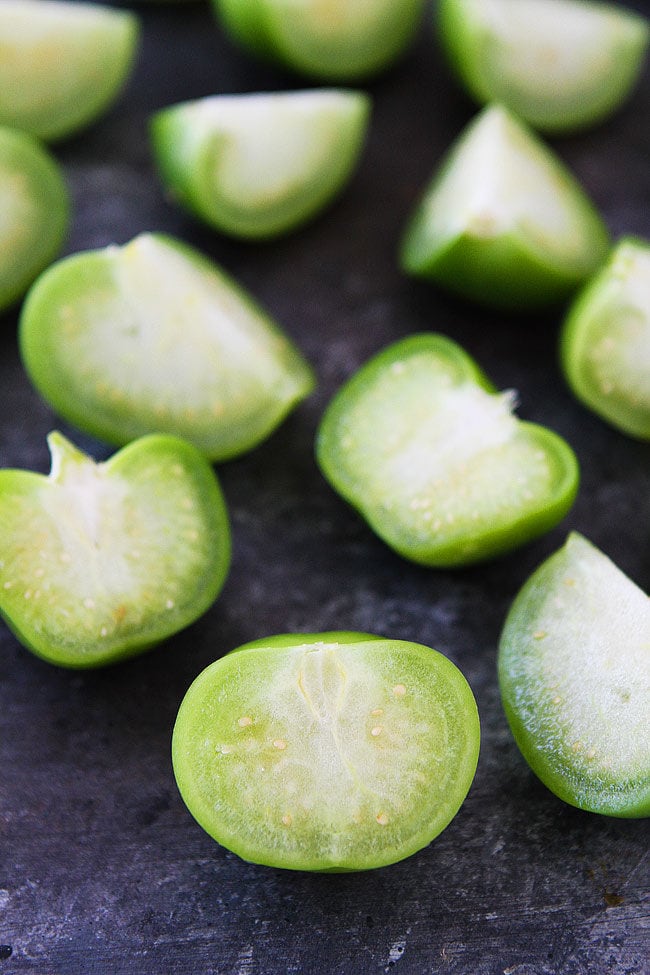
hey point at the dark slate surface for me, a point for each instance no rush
(102, 870)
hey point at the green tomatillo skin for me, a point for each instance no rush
(34, 212)
(333, 41)
(326, 752)
(101, 561)
(503, 222)
(434, 459)
(154, 337)
(259, 165)
(574, 672)
(605, 341)
(560, 65)
(63, 64)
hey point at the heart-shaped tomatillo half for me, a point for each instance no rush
(326, 752)
(100, 561)
(153, 337)
(574, 671)
(436, 461)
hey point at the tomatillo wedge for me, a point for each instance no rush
(258, 165)
(34, 212)
(63, 64)
(341, 40)
(435, 460)
(605, 342)
(154, 337)
(574, 671)
(326, 752)
(102, 561)
(559, 64)
(503, 222)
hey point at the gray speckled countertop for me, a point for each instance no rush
(102, 869)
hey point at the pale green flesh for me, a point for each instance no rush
(97, 558)
(501, 182)
(606, 347)
(327, 755)
(255, 165)
(555, 77)
(61, 63)
(436, 463)
(574, 668)
(144, 338)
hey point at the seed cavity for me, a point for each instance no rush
(399, 690)
(376, 731)
(245, 721)
(382, 819)
(280, 744)
(287, 819)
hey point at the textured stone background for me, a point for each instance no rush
(102, 870)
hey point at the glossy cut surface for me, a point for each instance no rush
(605, 342)
(154, 337)
(63, 64)
(326, 752)
(258, 165)
(100, 561)
(574, 671)
(436, 461)
(559, 64)
(503, 222)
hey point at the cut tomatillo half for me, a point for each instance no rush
(503, 222)
(34, 212)
(574, 670)
(101, 561)
(605, 342)
(154, 337)
(63, 64)
(559, 64)
(336, 40)
(258, 165)
(434, 459)
(326, 752)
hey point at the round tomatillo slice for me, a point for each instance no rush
(101, 561)
(258, 165)
(154, 337)
(503, 222)
(559, 64)
(605, 342)
(574, 671)
(435, 460)
(63, 64)
(338, 41)
(34, 212)
(326, 752)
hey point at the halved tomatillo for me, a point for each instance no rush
(154, 337)
(435, 460)
(102, 561)
(63, 64)
(340, 40)
(574, 671)
(605, 342)
(258, 165)
(559, 64)
(326, 752)
(503, 222)
(34, 212)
